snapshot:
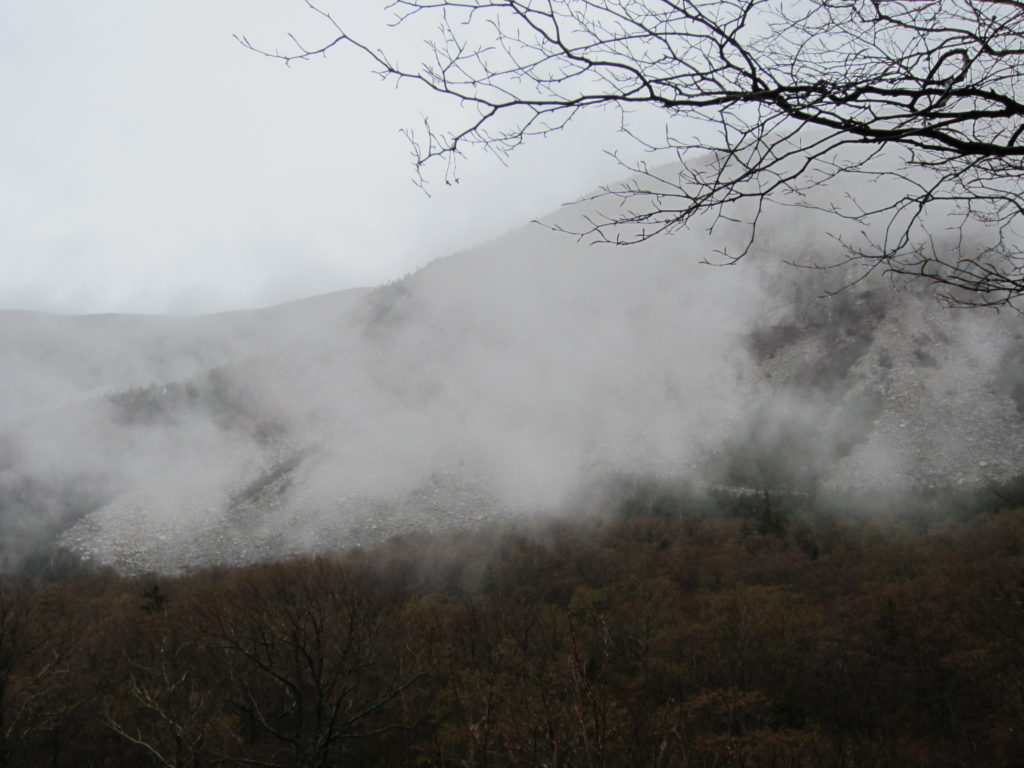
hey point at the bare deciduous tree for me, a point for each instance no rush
(313, 658)
(924, 98)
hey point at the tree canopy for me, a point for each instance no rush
(764, 102)
(689, 631)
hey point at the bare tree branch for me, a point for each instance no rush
(798, 94)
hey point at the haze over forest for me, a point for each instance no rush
(506, 380)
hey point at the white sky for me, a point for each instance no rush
(149, 163)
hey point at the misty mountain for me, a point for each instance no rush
(49, 360)
(501, 381)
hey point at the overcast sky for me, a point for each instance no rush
(149, 163)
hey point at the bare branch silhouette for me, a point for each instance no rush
(922, 98)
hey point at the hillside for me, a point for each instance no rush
(503, 382)
(50, 360)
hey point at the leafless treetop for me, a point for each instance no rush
(923, 97)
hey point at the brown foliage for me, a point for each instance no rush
(639, 642)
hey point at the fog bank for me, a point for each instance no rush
(497, 382)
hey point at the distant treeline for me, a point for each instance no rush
(755, 637)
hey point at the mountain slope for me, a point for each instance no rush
(505, 379)
(50, 360)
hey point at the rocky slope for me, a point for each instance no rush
(502, 381)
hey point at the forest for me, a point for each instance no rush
(674, 631)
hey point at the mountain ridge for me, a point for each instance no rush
(503, 380)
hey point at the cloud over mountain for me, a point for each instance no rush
(495, 382)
